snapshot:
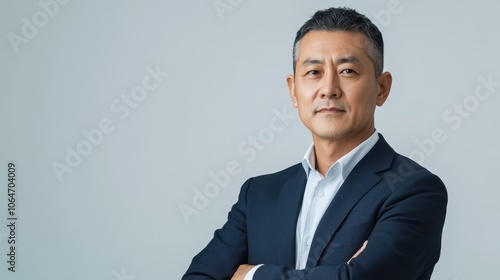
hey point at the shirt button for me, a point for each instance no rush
(321, 193)
(308, 242)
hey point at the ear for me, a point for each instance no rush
(384, 84)
(290, 80)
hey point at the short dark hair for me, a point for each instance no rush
(345, 19)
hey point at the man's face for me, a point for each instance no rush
(335, 88)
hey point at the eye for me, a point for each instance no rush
(347, 71)
(312, 72)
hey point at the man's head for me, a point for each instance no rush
(345, 19)
(338, 79)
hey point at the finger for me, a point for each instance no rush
(359, 251)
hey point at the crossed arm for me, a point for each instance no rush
(243, 269)
(404, 244)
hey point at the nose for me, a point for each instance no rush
(329, 87)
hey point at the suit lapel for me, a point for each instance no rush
(289, 204)
(361, 179)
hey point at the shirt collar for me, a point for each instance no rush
(345, 163)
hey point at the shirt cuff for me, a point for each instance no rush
(250, 273)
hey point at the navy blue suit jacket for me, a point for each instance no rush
(389, 200)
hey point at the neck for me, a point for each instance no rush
(328, 151)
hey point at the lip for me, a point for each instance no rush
(330, 110)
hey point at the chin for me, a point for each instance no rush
(331, 135)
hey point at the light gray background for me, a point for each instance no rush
(116, 215)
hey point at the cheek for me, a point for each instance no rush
(306, 90)
(304, 111)
(363, 104)
(304, 99)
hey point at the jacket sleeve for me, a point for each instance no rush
(404, 244)
(228, 248)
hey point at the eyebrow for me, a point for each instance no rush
(338, 61)
(313, 61)
(348, 59)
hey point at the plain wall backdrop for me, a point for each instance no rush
(120, 115)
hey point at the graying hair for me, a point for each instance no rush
(345, 19)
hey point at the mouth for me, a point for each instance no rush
(330, 110)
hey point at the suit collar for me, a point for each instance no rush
(362, 178)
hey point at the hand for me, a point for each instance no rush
(359, 251)
(242, 271)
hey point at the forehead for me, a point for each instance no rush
(333, 44)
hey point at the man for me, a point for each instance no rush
(353, 209)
